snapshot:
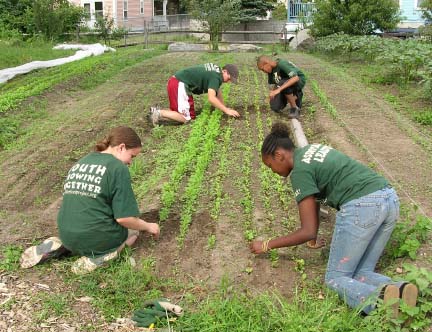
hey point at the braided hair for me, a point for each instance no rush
(278, 138)
(117, 136)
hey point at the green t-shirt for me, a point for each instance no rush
(97, 191)
(199, 79)
(284, 71)
(331, 176)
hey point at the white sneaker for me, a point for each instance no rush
(155, 115)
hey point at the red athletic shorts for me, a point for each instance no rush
(177, 96)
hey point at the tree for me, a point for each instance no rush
(12, 14)
(426, 30)
(426, 7)
(216, 16)
(251, 10)
(104, 26)
(54, 17)
(280, 12)
(354, 17)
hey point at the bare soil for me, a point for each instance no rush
(367, 128)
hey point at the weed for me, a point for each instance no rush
(408, 236)
(51, 305)
(120, 287)
(250, 234)
(274, 257)
(424, 118)
(211, 241)
(300, 268)
(232, 311)
(159, 132)
(11, 255)
(419, 317)
(136, 169)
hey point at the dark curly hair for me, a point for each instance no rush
(278, 138)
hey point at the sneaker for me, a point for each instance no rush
(294, 113)
(50, 248)
(408, 293)
(391, 299)
(154, 115)
(85, 264)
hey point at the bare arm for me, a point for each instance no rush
(290, 82)
(218, 103)
(220, 96)
(307, 231)
(140, 225)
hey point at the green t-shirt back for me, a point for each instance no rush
(97, 191)
(284, 71)
(331, 176)
(199, 79)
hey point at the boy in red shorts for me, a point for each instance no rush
(206, 78)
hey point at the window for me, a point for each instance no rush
(142, 7)
(98, 9)
(87, 11)
(125, 9)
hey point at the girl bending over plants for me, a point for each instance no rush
(368, 208)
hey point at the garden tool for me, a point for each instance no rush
(154, 311)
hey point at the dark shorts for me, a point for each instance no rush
(280, 101)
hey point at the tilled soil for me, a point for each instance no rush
(367, 128)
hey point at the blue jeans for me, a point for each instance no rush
(363, 228)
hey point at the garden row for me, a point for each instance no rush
(407, 60)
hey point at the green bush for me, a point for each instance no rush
(356, 17)
(53, 18)
(280, 12)
(408, 236)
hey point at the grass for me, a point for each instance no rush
(90, 72)
(242, 312)
(51, 305)
(16, 52)
(119, 288)
(10, 258)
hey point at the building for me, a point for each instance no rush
(130, 14)
(411, 14)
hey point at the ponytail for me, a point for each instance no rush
(117, 136)
(278, 138)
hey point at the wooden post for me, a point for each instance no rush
(299, 135)
(145, 35)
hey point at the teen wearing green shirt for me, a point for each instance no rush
(99, 214)
(205, 78)
(287, 82)
(367, 212)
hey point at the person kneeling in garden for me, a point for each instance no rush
(368, 208)
(287, 82)
(99, 214)
(206, 78)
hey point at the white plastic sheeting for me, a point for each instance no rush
(84, 51)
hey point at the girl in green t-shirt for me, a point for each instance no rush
(367, 212)
(99, 214)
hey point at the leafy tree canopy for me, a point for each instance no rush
(426, 7)
(12, 13)
(354, 17)
(215, 15)
(280, 12)
(253, 9)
